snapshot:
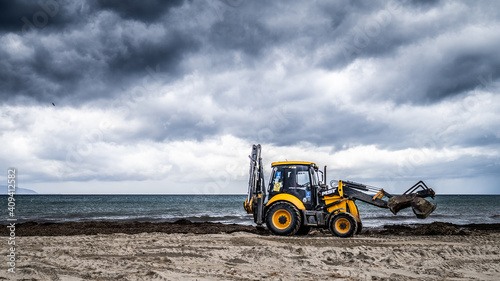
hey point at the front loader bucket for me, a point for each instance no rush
(422, 208)
(414, 197)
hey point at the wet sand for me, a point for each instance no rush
(189, 251)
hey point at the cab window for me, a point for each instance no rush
(276, 181)
(302, 178)
(297, 177)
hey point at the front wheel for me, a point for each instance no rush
(283, 219)
(343, 225)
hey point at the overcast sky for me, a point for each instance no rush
(168, 98)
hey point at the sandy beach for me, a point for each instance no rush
(392, 254)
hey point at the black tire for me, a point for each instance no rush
(283, 219)
(342, 225)
(360, 227)
(303, 230)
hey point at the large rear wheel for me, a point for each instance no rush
(343, 224)
(283, 219)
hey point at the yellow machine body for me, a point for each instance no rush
(288, 198)
(345, 205)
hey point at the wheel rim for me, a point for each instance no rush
(282, 219)
(342, 225)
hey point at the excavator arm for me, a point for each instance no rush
(412, 197)
(254, 203)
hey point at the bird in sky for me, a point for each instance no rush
(53, 104)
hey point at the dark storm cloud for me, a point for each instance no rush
(102, 50)
(424, 3)
(377, 31)
(11, 13)
(241, 30)
(136, 57)
(111, 55)
(25, 15)
(172, 126)
(146, 11)
(49, 74)
(465, 72)
(63, 64)
(361, 30)
(319, 126)
(39, 78)
(275, 123)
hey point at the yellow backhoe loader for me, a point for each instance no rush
(298, 199)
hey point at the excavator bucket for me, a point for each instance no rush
(421, 207)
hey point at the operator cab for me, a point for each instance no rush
(297, 178)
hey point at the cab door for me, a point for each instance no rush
(294, 180)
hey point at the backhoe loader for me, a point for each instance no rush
(298, 199)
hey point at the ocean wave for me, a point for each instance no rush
(164, 218)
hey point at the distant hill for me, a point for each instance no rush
(19, 191)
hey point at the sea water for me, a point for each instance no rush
(458, 209)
